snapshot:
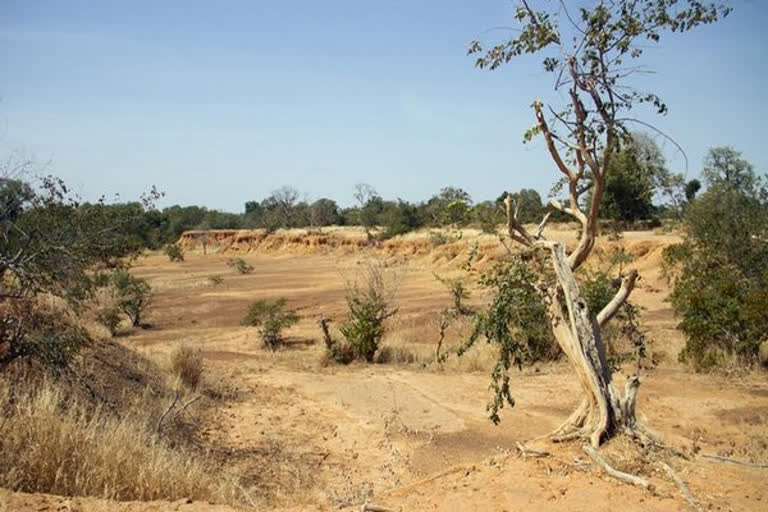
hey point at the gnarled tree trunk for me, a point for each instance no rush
(602, 412)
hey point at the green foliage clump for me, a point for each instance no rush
(516, 321)
(457, 287)
(403, 217)
(271, 318)
(631, 180)
(438, 238)
(240, 265)
(174, 252)
(370, 305)
(133, 295)
(719, 273)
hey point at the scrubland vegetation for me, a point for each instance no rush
(84, 415)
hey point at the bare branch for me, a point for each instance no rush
(170, 408)
(516, 230)
(544, 127)
(610, 309)
(542, 224)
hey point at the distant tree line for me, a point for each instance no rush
(640, 188)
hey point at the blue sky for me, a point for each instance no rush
(217, 103)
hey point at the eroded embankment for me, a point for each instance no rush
(440, 247)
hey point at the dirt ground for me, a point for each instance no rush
(415, 435)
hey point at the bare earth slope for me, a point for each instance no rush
(414, 435)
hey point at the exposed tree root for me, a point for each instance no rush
(671, 473)
(369, 507)
(613, 472)
(530, 452)
(720, 458)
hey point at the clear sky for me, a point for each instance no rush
(217, 103)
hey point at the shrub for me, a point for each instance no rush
(240, 265)
(216, 280)
(401, 218)
(438, 238)
(369, 304)
(30, 330)
(53, 445)
(109, 317)
(271, 319)
(187, 365)
(459, 293)
(134, 295)
(174, 252)
(719, 276)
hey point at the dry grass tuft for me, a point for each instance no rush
(63, 447)
(187, 365)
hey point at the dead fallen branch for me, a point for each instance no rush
(720, 458)
(690, 498)
(530, 452)
(368, 507)
(613, 472)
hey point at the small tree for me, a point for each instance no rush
(370, 206)
(133, 295)
(400, 218)
(589, 60)
(271, 318)
(369, 301)
(324, 212)
(174, 252)
(636, 169)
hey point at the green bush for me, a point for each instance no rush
(134, 295)
(369, 304)
(271, 318)
(438, 238)
(174, 252)
(719, 273)
(240, 265)
(459, 293)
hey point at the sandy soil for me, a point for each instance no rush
(416, 436)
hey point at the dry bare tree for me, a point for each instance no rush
(592, 52)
